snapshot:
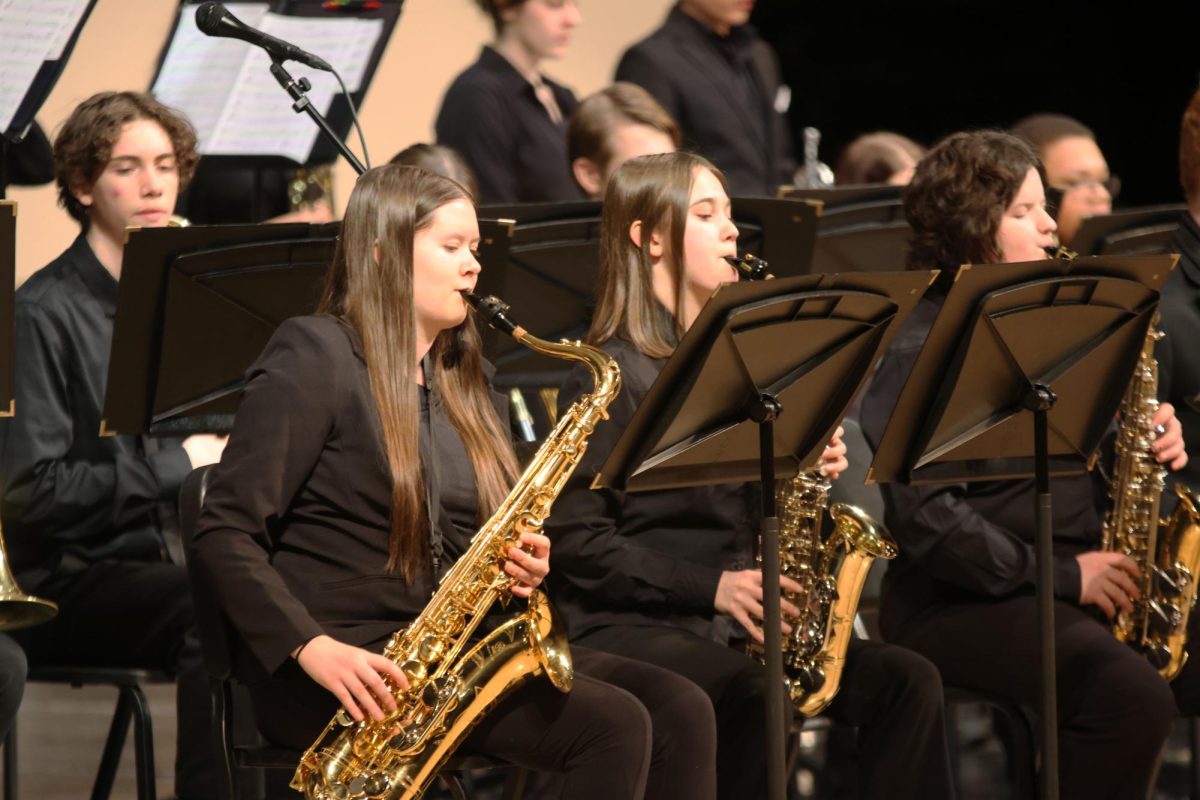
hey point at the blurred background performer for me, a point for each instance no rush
(315, 533)
(880, 157)
(89, 519)
(507, 119)
(439, 160)
(962, 590)
(720, 81)
(1075, 169)
(647, 574)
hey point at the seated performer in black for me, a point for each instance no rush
(507, 119)
(962, 590)
(1178, 357)
(647, 574)
(88, 518)
(315, 534)
(720, 81)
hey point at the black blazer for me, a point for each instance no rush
(294, 532)
(683, 66)
(1177, 353)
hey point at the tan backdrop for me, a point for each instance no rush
(434, 41)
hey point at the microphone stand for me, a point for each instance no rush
(297, 90)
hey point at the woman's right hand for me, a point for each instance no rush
(1106, 580)
(353, 675)
(740, 595)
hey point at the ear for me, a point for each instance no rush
(656, 242)
(588, 176)
(83, 191)
(375, 251)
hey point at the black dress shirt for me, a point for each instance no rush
(71, 496)
(643, 557)
(295, 527)
(491, 115)
(967, 541)
(1178, 352)
(721, 91)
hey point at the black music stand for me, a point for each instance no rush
(1107, 234)
(1020, 376)
(8, 327)
(837, 197)
(755, 389)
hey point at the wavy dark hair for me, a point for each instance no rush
(85, 142)
(958, 195)
(496, 8)
(655, 191)
(390, 205)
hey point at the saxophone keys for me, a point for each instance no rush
(431, 649)
(376, 784)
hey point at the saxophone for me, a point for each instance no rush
(453, 683)
(831, 571)
(1166, 551)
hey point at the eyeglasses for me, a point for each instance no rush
(1111, 184)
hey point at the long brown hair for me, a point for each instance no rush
(654, 190)
(388, 206)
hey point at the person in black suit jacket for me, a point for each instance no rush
(359, 424)
(504, 116)
(721, 83)
(666, 576)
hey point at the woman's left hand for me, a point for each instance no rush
(1168, 446)
(528, 567)
(833, 460)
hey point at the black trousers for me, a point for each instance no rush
(134, 614)
(893, 696)
(626, 729)
(12, 682)
(1114, 710)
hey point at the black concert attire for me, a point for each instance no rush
(722, 91)
(962, 594)
(88, 518)
(294, 539)
(492, 117)
(636, 574)
(1177, 354)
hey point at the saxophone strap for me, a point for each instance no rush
(433, 505)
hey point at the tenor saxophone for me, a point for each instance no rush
(452, 682)
(831, 570)
(1166, 551)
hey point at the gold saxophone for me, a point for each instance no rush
(1166, 551)
(453, 683)
(831, 571)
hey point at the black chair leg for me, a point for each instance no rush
(10, 763)
(111, 758)
(1193, 724)
(143, 739)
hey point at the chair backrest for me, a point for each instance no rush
(217, 635)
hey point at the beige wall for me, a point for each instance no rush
(434, 41)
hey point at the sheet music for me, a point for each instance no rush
(199, 70)
(31, 33)
(231, 97)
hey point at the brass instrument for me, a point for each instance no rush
(453, 683)
(1166, 551)
(831, 571)
(18, 609)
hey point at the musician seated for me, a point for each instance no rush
(610, 127)
(1075, 169)
(961, 592)
(666, 576)
(89, 519)
(368, 450)
(440, 160)
(880, 157)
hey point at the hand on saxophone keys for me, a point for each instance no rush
(354, 675)
(1169, 446)
(833, 459)
(529, 564)
(740, 595)
(1107, 580)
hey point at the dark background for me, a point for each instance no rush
(930, 68)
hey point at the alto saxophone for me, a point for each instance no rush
(452, 682)
(831, 571)
(1166, 551)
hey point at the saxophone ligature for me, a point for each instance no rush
(454, 681)
(1166, 551)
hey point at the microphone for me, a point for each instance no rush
(214, 19)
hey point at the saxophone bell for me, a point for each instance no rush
(750, 267)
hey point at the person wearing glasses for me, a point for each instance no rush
(1077, 176)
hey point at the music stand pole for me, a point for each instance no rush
(297, 90)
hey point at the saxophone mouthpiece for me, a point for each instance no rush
(750, 268)
(494, 312)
